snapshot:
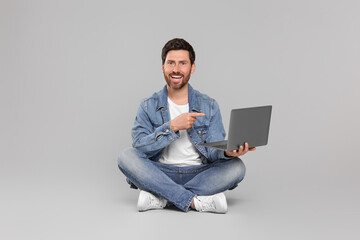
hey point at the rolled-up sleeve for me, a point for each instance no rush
(148, 138)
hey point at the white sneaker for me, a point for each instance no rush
(149, 201)
(214, 203)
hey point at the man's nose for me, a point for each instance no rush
(176, 68)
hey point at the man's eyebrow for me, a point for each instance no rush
(181, 61)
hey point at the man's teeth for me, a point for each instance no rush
(175, 76)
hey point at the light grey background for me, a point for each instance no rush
(72, 74)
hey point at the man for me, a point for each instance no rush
(166, 162)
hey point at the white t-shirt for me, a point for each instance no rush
(180, 152)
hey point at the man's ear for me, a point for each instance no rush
(162, 67)
(193, 66)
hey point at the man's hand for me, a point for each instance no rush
(241, 151)
(184, 121)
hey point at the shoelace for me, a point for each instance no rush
(207, 205)
(154, 202)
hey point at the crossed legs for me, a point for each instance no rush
(215, 178)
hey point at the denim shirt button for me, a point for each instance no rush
(199, 132)
(167, 130)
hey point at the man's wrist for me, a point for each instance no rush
(173, 127)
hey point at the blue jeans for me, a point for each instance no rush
(179, 185)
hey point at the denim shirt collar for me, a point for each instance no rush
(194, 105)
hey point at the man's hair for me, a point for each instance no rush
(178, 44)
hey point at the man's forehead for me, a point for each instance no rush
(178, 55)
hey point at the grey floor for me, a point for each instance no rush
(94, 206)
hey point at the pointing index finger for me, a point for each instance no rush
(197, 114)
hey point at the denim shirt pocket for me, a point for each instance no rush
(201, 131)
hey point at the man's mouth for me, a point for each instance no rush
(176, 78)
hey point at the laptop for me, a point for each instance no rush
(249, 125)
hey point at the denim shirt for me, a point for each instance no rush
(152, 132)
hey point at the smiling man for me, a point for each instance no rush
(166, 163)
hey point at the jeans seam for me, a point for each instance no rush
(167, 170)
(197, 170)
